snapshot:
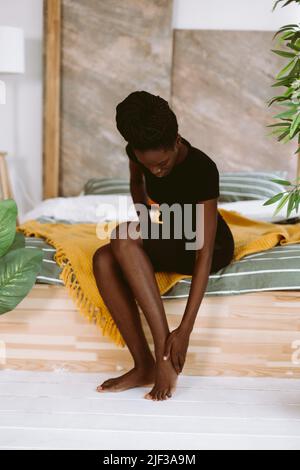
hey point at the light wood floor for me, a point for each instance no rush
(42, 410)
(242, 335)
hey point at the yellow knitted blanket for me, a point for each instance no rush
(76, 244)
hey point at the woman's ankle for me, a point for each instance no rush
(145, 363)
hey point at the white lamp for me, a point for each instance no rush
(12, 57)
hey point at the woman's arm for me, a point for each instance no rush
(202, 265)
(178, 340)
(138, 191)
(137, 184)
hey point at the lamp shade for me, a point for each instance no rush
(12, 58)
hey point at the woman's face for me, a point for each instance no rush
(159, 162)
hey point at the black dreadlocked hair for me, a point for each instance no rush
(146, 121)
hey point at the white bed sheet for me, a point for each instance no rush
(101, 208)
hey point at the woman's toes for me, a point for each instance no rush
(104, 385)
(153, 393)
(158, 395)
(101, 387)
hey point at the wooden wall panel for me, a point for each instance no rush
(109, 49)
(217, 82)
(221, 83)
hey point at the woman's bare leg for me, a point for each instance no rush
(140, 275)
(122, 306)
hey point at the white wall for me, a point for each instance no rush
(21, 116)
(232, 14)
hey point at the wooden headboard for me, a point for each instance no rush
(217, 82)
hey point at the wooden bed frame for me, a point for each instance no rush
(253, 334)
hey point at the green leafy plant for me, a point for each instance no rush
(288, 127)
(19, 266)
(286, 2)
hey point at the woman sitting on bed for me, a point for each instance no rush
(168, 169)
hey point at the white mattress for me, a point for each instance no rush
(103, 208)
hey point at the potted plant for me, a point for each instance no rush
(19, 266)
(288, 127)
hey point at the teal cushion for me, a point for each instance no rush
(106, 186)
(250, 185)
(234, 186)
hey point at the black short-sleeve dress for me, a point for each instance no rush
(195, 179)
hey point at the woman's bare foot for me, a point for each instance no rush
(165, 381)
(136, 377)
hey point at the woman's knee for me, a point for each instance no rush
(123, 236)
(102, 257)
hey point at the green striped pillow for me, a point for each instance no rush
(250, 185)
(234, 186)
(106, 186)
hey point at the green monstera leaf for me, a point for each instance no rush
(18, 271)
(19, 241)
(8, 215)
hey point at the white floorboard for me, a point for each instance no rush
(60, 410)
